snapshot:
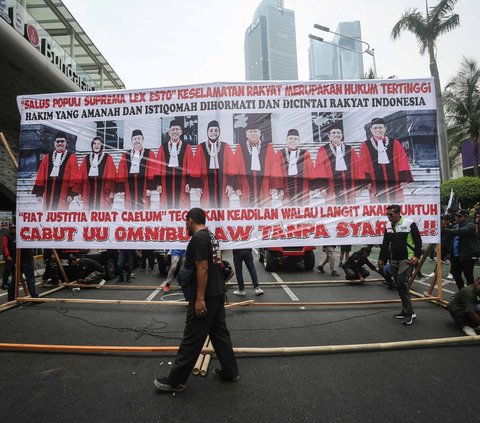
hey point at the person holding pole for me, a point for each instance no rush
(206, 309)
(403, 238)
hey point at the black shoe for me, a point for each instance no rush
(4, 287)
(320, 269)
(401, 315)
(120, 280)
(218, 373)
(408, 320)
(164, 386)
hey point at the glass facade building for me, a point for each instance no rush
(270, 43)
(326, 61)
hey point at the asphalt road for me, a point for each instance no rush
(415, 385)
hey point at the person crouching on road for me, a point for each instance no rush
(353, 267)
(90, 271)
(465, 308)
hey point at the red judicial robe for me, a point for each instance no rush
(213, 181)
(296, 187)
(135, 185)
(96, 190)
(256, 185)
(341, 185)
(56, 189)
(174, 179)
(385, 178)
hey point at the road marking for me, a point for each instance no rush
(153, 294)
(285, 287)
(443, 289)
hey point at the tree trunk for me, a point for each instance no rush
(476, 143)
(441, 125)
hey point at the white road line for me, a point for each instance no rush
(285, 287)
(443, 289)
(153, 294)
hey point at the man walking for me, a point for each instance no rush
(403, 238)
(206, 309)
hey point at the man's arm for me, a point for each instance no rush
(6, 252)
(202, 277)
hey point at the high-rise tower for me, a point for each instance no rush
(270, 43)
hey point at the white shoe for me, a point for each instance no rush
(239, 293)
(450, 276)
(102, 282)
(467, 330)
(258, 291)
(431, 275)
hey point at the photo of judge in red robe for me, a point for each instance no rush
(214, 169)
(386, 166)
(175, 161)
(57, 176)
(255, 166)
(339, 173)
(136, 171)
(97, 177)
(296, 170)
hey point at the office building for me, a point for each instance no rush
(334, 59)
(270, 43)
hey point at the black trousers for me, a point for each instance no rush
(352, 275)
(194, 335)
(462, 266)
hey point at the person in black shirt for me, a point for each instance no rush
(90, 271)
(206, 309)
(353, 267)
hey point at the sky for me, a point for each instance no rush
(161, 43)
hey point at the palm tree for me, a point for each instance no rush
(438, 20)
(462, 106)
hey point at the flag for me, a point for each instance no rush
(450, 200)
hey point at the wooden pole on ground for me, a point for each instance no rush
(250, 302)
(418, 267)
(323, 349)
(206, 361)
(198, 363)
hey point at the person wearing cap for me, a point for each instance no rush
(97, 177)
(57, 176)
(136, 171)
(339, 173)
(255, 167)
(87, 270)
(214, 169)
(465, 308)
(385, 164)
(296, 171)
(9, 251)
(174, 163)
(464, 248)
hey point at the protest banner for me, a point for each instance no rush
(272, 163)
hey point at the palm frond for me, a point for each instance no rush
(443, 8)
(413, 21)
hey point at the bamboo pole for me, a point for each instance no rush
(323, 349)
(60, 266)
(12, 304)
(439, 272)
(198, 363)
(9, 150)
(116, 286)
(205, 364)
(250, 302)
(419, 265)
(241, 303)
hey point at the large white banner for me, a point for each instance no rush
(272, 163)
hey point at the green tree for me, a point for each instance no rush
(462, 107)
(466, 190)
(437, 20)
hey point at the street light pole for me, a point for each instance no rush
(368, 50)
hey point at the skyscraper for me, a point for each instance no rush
(326, 61)
(270, 43)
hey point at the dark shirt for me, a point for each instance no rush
(204, 246)
(88, 266)
(464, 301)
(356, 261)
